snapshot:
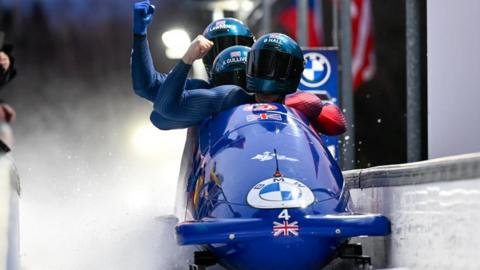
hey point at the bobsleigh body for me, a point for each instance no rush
(263, 192)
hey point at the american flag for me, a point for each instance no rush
(288, 19)
(363, 47)
(235, 54)
(264, 116)
(285, 228)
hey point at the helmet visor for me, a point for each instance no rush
(223, 42)
(236, 77)
(274, 65)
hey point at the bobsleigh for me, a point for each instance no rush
(262, 191)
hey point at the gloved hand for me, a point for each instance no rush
(142, 17)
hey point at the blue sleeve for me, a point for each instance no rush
(197, 84)
(192, 106)
(145, 79)
(166, 124)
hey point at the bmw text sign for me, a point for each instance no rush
(320, 77)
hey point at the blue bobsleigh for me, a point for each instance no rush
(263, 192)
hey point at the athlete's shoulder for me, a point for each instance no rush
(226, 89)
(192, 84)
(237, 96)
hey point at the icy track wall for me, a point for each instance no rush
(434, 207)
(9, 226)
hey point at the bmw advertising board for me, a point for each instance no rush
(320, 77)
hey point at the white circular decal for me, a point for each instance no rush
(280, 192)
(317, 70)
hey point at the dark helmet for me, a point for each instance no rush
(224, 33)
(274, 65)
(230, 66)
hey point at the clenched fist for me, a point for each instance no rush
(142, 16)
(198, 49)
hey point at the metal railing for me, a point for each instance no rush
(453, 168)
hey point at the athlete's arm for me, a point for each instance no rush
(175, 103)
(167, 124)
(144, 76)
(327, 118)
(331, 120)
(145, 79)
(308, 103)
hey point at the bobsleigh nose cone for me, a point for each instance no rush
(282, 253)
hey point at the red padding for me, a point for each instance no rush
(330, 121)
(308, 103)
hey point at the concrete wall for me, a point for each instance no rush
(433, 207)
(9, 223)
(453, 42)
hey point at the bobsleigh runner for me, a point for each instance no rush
(263, 192)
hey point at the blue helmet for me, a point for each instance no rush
(224, 33)
(230, 66)
(274, 65)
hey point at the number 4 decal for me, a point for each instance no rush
(284, 214)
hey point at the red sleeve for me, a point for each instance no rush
(308, 103)
(330, 121)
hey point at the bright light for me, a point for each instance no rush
(148, 140)
(177, 42)
(218, 14)
(137, 200)
(233, 5)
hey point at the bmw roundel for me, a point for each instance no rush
(280, 192)
(317, 70)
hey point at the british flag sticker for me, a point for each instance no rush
(285, 228)
(264, 116)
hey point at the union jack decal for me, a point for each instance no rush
(264, 116)
(285, 228)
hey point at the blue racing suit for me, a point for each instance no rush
(173, 107)
(146, 80)
(182, 107)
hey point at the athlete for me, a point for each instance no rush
(274, 68)
(146, 80)
(230, 67)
